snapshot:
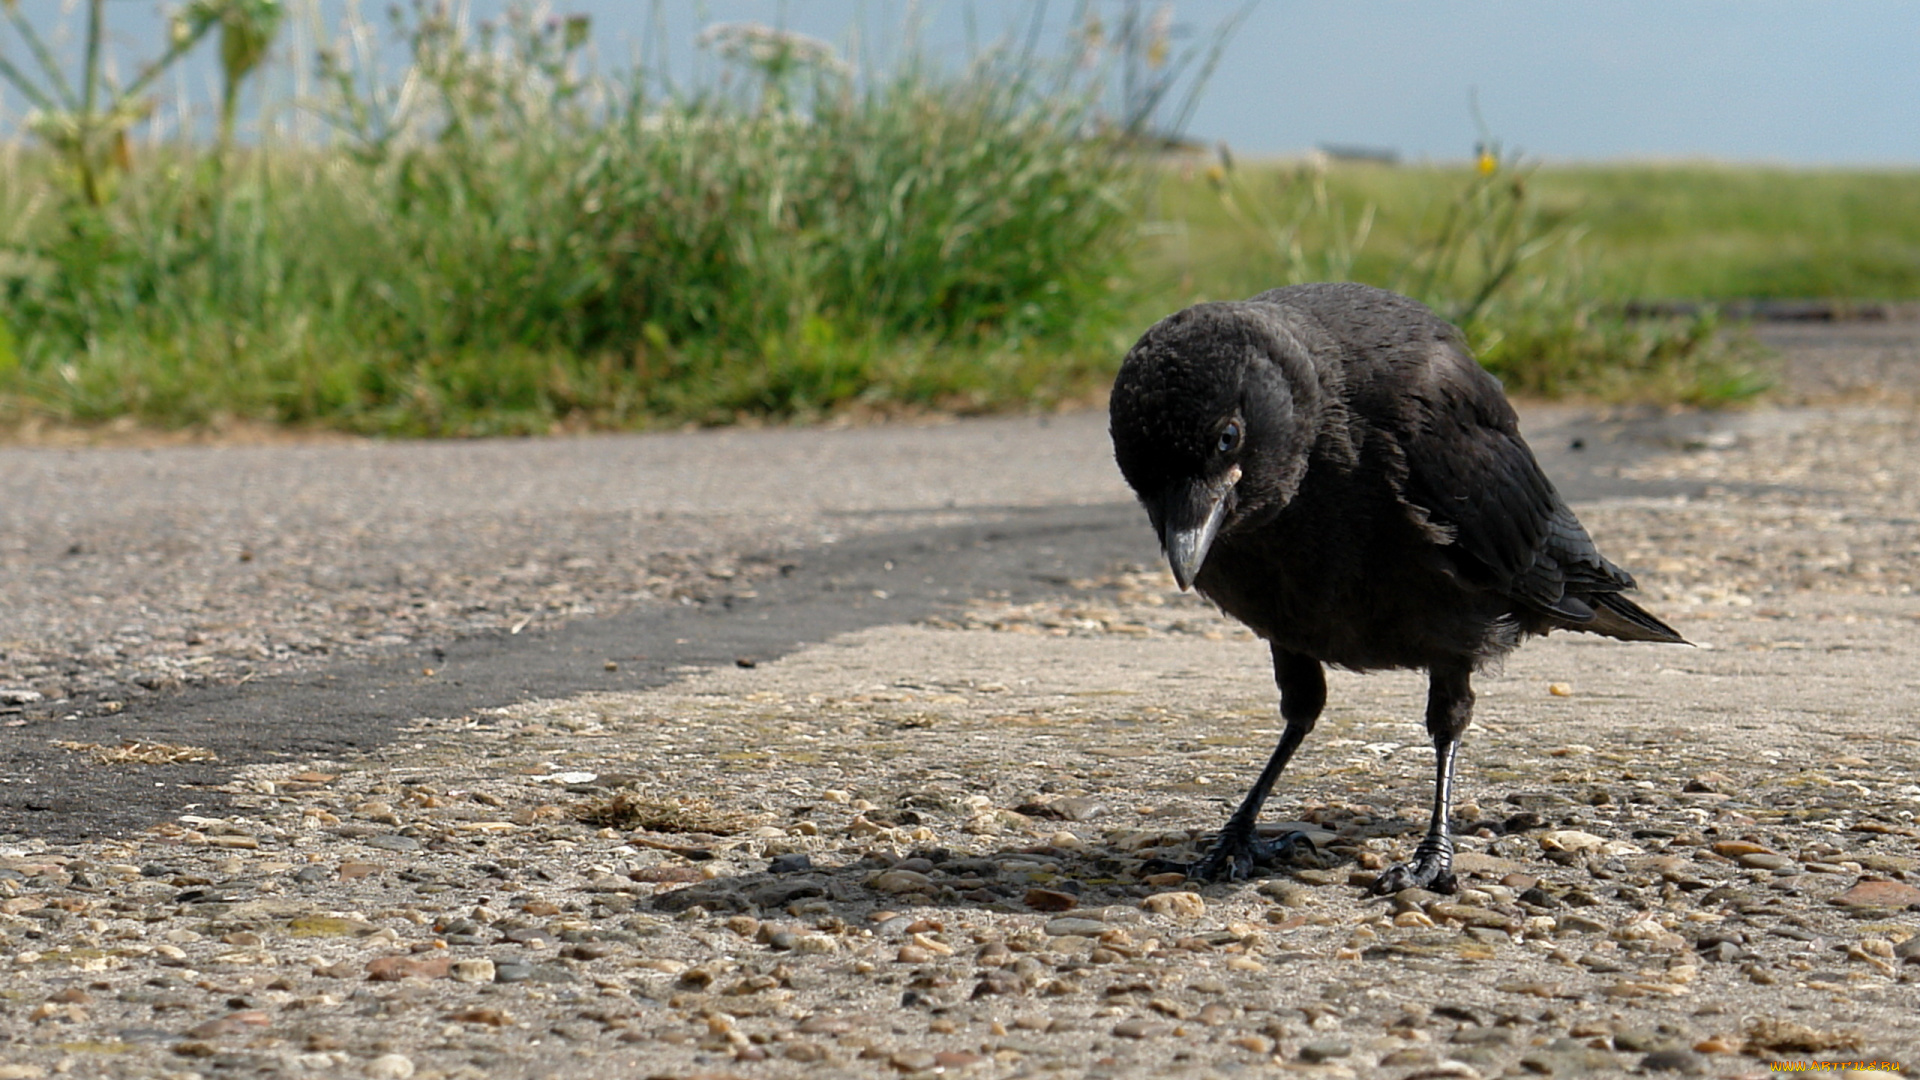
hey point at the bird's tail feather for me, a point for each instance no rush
(1618, 617)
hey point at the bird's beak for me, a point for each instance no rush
(1193, 513)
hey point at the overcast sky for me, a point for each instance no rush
(1835, 81)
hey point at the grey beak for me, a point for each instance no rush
(1193, 514)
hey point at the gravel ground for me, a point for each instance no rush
(133, 570)
(918, 849)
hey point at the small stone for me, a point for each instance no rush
(1482, 864)
(1051, 900)
(1074, 925)
(1685, 1062)
(1879, 894)
(790, 863)
(1314, 1053)
(1140, 1028)
(1258, 1044)
(999, 981)
(1579, 924)
(902, 881)
(1641, 1039)
(1469, 915)
(1162, 881)
(232, 1024)
(473, 970)
(396, 968)
(354, 870)
(1179, 905)
(956, 1059)
(1566, 1060)
(1733, 849)
(393, 842)
(511, 971)
(1483, 1036)
(1214, 1014)
(1570, 840)
(484, 1016)
(816, 944)
(1286, 893)
(1167, 1006)
(912, 1061)
(1764, 860)
(390, 1067)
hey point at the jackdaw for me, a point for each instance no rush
(1329, 465)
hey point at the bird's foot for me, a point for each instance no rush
(1430, 868)
(1236, 855)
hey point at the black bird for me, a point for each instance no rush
(1329, 465)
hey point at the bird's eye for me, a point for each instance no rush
(1229, 437)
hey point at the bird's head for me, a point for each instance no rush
(1213, 416)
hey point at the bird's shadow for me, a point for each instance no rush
(1017, 879)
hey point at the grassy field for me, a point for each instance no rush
(512, 246)
(1697, 231)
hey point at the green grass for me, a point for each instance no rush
(530, 250)
(1682, 231)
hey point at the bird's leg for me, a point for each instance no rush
(1449, 711)
(1303, 693)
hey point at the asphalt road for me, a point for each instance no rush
(119, 562)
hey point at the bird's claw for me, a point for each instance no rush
(1235, 856)
(1430, 868)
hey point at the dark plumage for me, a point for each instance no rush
(1329, 465)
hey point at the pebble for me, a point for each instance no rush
(1075, 925)
(473, 970)
(912, 1061)
(1566, 1057)
(1685, 1062)
(511, 971)
(1879, 894)
(1316, 1052)
(390, 1067)
(1050, 900)
(902, 881)
(393, 842)
(791, 863)
(1179, 905)
(1140, 1028)
(396, 968)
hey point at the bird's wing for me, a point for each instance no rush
(1476, 483)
